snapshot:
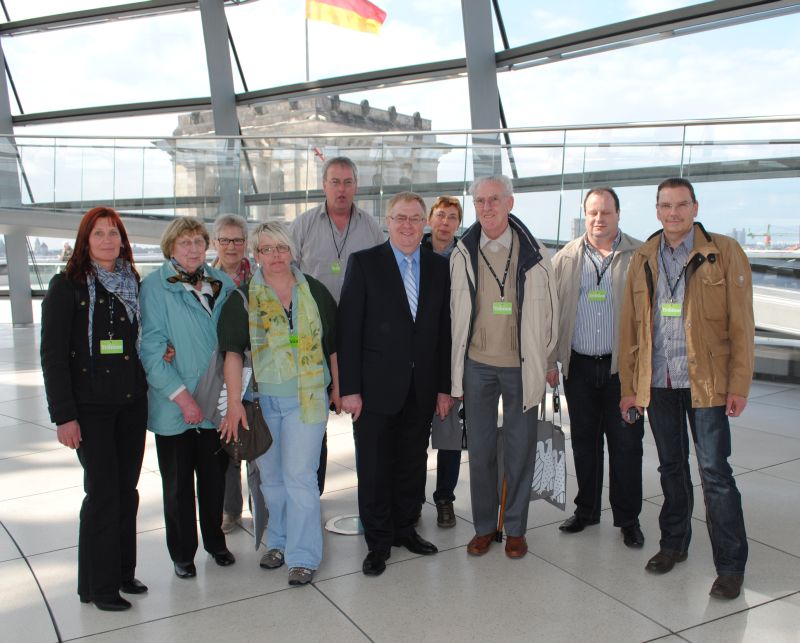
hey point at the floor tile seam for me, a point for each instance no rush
(755, 540)
(23, 455)
(176, 614)
(668, 629)
(342, 612)
(785, 389)
(774, 548)
(761, 432)
(42, 593)
(751, 427)
(23, 398)
(776, 476)
(41, 493)
(741, 611)
(27, 421)
(344, 466)
(50, 426)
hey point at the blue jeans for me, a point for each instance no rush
(668, 412)
(289, 482)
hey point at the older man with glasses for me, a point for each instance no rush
(504, 326)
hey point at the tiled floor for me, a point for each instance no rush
(586, 586)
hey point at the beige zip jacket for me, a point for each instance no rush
(568, 264)
(537, 309)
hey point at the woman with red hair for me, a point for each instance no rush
(97, 397)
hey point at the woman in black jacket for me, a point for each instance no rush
(97, 397)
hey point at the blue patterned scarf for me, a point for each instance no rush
(121, 283)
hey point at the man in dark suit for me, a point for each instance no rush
(393, 346)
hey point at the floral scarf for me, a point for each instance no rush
(274, 360)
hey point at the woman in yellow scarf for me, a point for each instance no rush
(289, 326)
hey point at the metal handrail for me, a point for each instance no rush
(745, 120)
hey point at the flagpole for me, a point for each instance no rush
(307, 74)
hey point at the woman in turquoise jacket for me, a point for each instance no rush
(181, 303)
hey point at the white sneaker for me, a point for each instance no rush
(229, 523)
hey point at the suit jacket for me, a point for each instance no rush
(380, 346)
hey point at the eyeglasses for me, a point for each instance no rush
(404, 218)
(681, 207)
(238, 242)
(282, 248)
(348, 183)
(443, 215)
(491, 201)
(187, 244)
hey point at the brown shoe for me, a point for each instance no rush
(727, 586)
(479, 545)
(516, 546)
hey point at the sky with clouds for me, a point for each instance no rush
(746, 70)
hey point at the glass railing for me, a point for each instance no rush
(747, 173)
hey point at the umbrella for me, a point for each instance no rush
(257, 505)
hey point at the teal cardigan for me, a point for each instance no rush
(172, 315)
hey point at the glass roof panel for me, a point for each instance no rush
(24, 9)
(155, 58)
(711, 74)
(270, 38)
(527, 21)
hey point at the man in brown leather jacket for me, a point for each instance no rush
(686, 351)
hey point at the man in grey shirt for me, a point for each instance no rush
(590, 273)
(325, 236)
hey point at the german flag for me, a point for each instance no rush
(360, 15)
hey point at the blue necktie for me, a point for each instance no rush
(411, 287)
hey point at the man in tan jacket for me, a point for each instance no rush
(504, 318)
(686, 351)
(590, 273)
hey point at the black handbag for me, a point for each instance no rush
(250, 444)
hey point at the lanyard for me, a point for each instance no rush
(500, 284)
(110, 316)
(289, 316)
(599, 272)
(672, 288)
(346, 232)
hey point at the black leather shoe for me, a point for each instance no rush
(375, 563)
(133, 586)
(416, 544)
(185, 570)
(114, 604)
(223, 558)
(727, 586)
(664, 561)
(632, 536)
(575, 523)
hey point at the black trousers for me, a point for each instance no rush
(111, 452)
(391, 464)
(593, 396)
(195, 452)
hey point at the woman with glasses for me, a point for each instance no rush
(97, 398)
(444, 219)
(289, 327)
(230, 242)
(181, 303)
